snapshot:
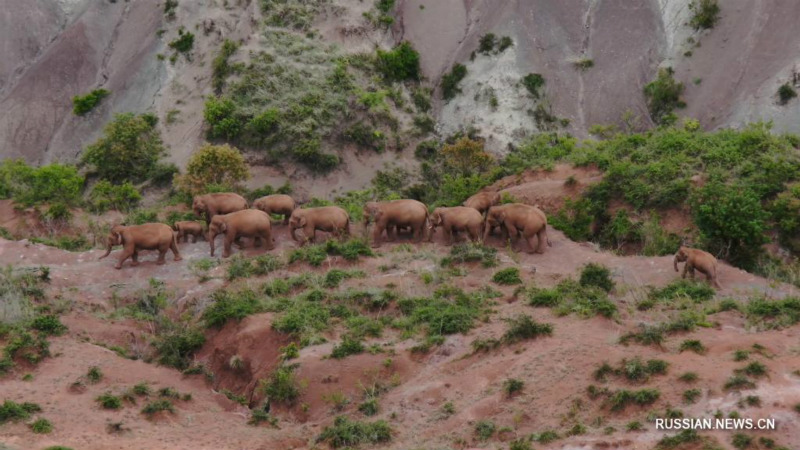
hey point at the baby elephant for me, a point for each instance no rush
(189, 228)
(149, 236)
(245, 223)
(700, 260)
(455, 219)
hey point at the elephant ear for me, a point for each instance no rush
(223, 226)
(302, 221)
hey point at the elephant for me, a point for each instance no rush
(324, 218)
(189, 228)
(245, 223)
(700, 260)
(220, 203)
(396, 214)
(518, 219)
(276, 204)
(149, 236)
(455, 219)
(482, 201)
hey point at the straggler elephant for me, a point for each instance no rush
(246, 223)
(331, 219)
(149, 236)
(276, 204)
(700, 260)
(220, 203)
(454, 220)
(518, 219)
(482, 201)
(189, 228)
(395, 214)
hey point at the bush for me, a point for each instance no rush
(706, 14)
(14, 412)
(128, 150)
(696, 291)
(349, 433)
(738, 382)
(693, 345)
(484, 429)
(348, 346)
(109, 401)
(471, 252)
(524, 327)
(157, 406)
(213, 164)
(451, 80)
(774, 313)
(507, 276)
(82, 104)
(785, 93)
(621, 399)
(105, 196)
(399, 64)
(54, 183)
(175, 343)
(183, 43)
(230, 305)
(512, 386)
(663, 95)
(220, 67)
(533, 82)
(94, 375)
(41, 426)
(369, 407)
(596, 275)
(282, 386)
(48, 325)
(570, 297)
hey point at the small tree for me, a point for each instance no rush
(128, 150)
(663, 95)
(466, 156)
(213, 164)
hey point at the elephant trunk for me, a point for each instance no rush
(211, 237)
(487, 228)
(675, 263)
(293, 233)
(108, 250)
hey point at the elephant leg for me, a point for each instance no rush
(448, 232)
(194, 239)
(513, 233)
(309, 233)
(474, 233)
(542, 234)
(256, 241)
(226, 249)
(376, 234)
(685, 269)
(162, 253)
(532, 248)
(269, 243)
(125, 255)
(134, 258)
(691, 273)
(174, 247)
(238, 242)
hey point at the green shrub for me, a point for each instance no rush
(705, 14)
(512, 386)
(348, 346)
(365, 136)
(621, 399)
(129, 149)
(399, 64)
(221, 165)
(693, 345)
(754, 369)
(678, 440)
(523, 327)
(520, 444)
(48, 325)
(741, 441)
(183, 43)
(533, 82)
(176, 342)
(451, 80)
(485, 429)
(41, 426)
(664, 95)
(94, 375)
(220, 66)
(141, 216)
(109, 401)
(141, 389)
(53, 183)
(15, 412)
(369, 407)
(349, 433)
(105, 196)
(157, 406)
(82, 104)
(785, 93)
(571, 297)
(697, 291)
(546, 437)
(230, 305)
(471, 252)
(596, 275)
(449, 311)
(774, 313)
(690, 396)
(738, 382)
(282, 385)
(507, 276)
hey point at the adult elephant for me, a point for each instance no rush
(518, 219)
(331, 219)
(219, 203)
(149, 236)
(700, 260)
(395, 214)
(482, 201)
(454, 220)
(246, 223)
(276, 204)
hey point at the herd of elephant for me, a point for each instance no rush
(229, 214)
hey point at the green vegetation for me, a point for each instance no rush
(169, 8)
(41, 426)
(584, 64)
(54, 183)
(241, 267)
(399, 64)
(157, 406)
(738, 382)
(175, 342)
(620, 400)
(369, 407)
(94, 375)
(523, 327)
(507, 276)
(533, 82)
(230, 305)
(705, 14)
(693, 345)
(696, 291)
(350, 250)
(183, 43)
(485, 429)
(82, 104)
(512, 386)
(15, 412)
(546, 437)
(570, 296)
(294, 14)
(663, 96)
(109, 401)
(489, 43)
(220, 66)
(690, 396)
(678, 440)
(348, 346)
(777, 313)
(754, 369)
(741, 441)
(596, 275)
(105, 196)
(785, 93)
(129, 149)
(634, 370)
(349, 433)
(282, 385)
(451, 80)
(217, 165)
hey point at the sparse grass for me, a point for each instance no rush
(94, 375)
(41, 426)
(693, 345)
(13, 412)
(259, 416)
(688, 377)
(109, 401)
(622, 398)
(451, 80)
(546, 437)
(741, 355)
(369, 407)
(471, 252)
(738, 382)
(678, 440)
(785, 93)
(690, 396)
(596, 275)
(584, 64)
(571, 297)
(773, 314)
(741, 441)
(507, 276)
(349, 433)
(634, 426)
(705, 14)
(696, 291)
(241, 267)
(141, 389)
(157, 406)
(754, 369)
(523, 327)
(348, 346)
(485, 429)
(512, 386)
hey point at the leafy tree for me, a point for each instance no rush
(399, 64)
(54, 183)
(706, 14)
(213, 164)
(451, 80)
(664, 95)
(128, 150)
(105, 196)
(466, 156)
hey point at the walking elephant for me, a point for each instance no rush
(700, 260)
(331, 219)
(396, 214)
(149, 236)
(517, 219)
(482, 201)
(276, 204)
(454, 220)
(220, 203)
(189, 228)
(246, 223)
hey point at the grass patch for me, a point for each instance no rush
(512, 386)
(451, 81)
(693, 345)
(348, 346)
(643, 397)
(596, 275)
(485, 429)
(507, 276)
(157, 406)
(41, 426)
(231, 305)
(282, 385)
(471, 252)
(14, 412)
(773, 314)
(349, 433)
(523, 327)
(109, 401)
(570, 297)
